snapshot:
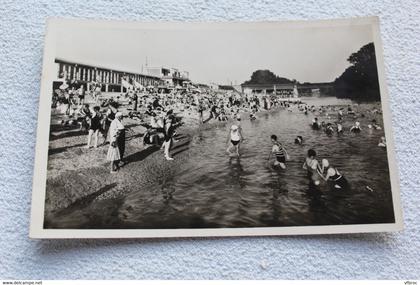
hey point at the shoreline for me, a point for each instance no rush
(145, 168)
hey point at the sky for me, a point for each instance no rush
(218, 54)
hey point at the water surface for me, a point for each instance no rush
(211, 189)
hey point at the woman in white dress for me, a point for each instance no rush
(117, 142)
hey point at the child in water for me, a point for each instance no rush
(374, 125)
(313, 168)
(382, 142)
(329, 130)
(315, 124)
(279, 153)
(356, 128)
(299, 140)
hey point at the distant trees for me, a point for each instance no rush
(266, 77)
(360, 80)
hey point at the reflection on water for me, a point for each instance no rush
(212, 190)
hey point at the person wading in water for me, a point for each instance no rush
(235, 137)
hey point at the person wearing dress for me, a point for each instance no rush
(117, 142)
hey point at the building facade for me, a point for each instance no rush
(171, 77)
(110, 79)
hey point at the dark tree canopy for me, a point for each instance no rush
(266, 77)
(360, 80)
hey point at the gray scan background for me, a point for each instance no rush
(22, 28)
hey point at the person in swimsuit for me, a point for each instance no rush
(382, 142)
(313, 168)
(81, 95)
(279, 153)
(339, 128)
(299, 140)
(374, 125)
(169, 133)
(340, 114)
(94, 127)
(235, 137)
(334, 178)
(329, 130)
(315, 124)
(356, 128)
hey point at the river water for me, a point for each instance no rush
(210, 189)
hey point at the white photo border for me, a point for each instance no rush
(54, 26)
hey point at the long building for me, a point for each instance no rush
(110, 79)
(286, 90)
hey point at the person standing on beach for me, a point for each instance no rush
(95, 125)
(135, 99)
(169, 133)
(117, 142)
(200, 111)
(81, 95)
(109, 117)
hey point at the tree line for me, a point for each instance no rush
(358, 82)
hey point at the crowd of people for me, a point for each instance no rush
(335, 116)
(161, 112)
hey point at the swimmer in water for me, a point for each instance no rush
(315, 124)
(299, 140)
(235, 137)
(382, 142)
(334, 178)
(374, 125)
(356, 128)
(313, 168)
(339, 128)
(279, 153)
(340, 114)
(329, 130)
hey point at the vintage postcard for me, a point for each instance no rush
(213, 129)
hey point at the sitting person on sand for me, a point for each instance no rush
(334, 178)
(313, 168)
(235, 137)
(279, 153)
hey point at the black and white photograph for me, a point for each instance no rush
(213, 129)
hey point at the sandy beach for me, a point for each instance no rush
(77, 175)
